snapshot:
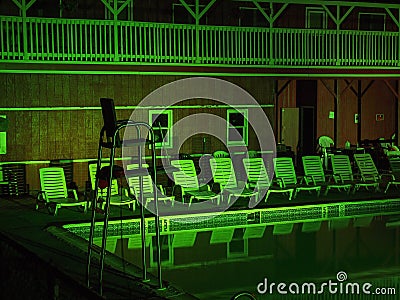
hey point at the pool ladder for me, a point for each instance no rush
(111, 130)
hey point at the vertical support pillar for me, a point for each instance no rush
(116, 40)
(398, 47)
(197, 18)
(335, 111)
(359, 97)
(338, 62)
(276, 104)
(24, 29)
(271, 39)
(396, 113)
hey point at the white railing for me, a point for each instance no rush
(68, 40)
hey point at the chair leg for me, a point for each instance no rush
(292, 194)
(387, 187)
(266, 196)
(56, 210)
(355, 189)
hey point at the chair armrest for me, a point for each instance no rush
(74, 193)
(301, 179)
(41, 196)
(390, 175)
(129, 192)
(338, 176)
(307, 179)
(204, 187)
(281, 182)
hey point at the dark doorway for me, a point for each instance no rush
(306, 101)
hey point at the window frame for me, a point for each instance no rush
(245, 127)
(371, 13)
(319, 10)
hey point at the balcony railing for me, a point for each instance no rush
(100, 41)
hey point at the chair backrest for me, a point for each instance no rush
(256, 171)
(109, 118)
(223, 172)
(134, 181)
(312, 166)
(284, 169)
(186, 177)
(220, 153)
(92, 175)
(341, 166)
(366, 166)
(52, 181)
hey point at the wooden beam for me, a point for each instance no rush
(367, 88)
(348, 84)
(329, 90)
(391, 88)
(211, 3)
(283, 87)
(351, 88)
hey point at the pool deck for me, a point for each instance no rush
(24, 227)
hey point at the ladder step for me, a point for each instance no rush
(96, 248)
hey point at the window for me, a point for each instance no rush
(371, 21)
(161, 121)
(316, 18)
(237, 127)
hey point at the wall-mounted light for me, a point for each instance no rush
(379, 117)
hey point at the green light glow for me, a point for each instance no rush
(245, 218)
(67, 108)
